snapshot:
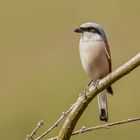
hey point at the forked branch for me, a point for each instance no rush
(82, 102)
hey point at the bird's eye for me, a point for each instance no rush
(91, 29)
(85, 29)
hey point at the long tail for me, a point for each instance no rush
(102, 103)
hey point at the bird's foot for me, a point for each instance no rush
(91, 83)
(94, 83)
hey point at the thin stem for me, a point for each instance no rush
(30, 136)
(108, 125)
(105, 125)
(55, 124)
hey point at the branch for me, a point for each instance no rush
(108, 125)
(83, 130)
(30, 136)
(55, 124)
(83, 101)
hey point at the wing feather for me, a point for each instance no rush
(109, 89)
(108, 56)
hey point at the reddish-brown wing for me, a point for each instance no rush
(109, 89)
(108, 56)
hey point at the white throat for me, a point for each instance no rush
(88, 36)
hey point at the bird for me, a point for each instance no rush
(96, 60)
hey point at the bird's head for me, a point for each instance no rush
(91, 30)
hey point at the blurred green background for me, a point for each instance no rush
(41, 73)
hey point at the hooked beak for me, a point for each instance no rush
(79, 30)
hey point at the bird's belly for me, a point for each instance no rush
(94, 61)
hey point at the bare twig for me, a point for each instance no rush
(56, 123)
(83, 101)
(30, 136)
(108, 125)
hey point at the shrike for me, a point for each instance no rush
(96, 59)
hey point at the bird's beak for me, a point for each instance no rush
(78, 30)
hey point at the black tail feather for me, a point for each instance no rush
(110, 90)
(103, 115)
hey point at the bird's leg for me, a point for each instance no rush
(94, 83)
(86, 89)
(90, 83)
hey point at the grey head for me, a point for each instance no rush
(92, 28)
